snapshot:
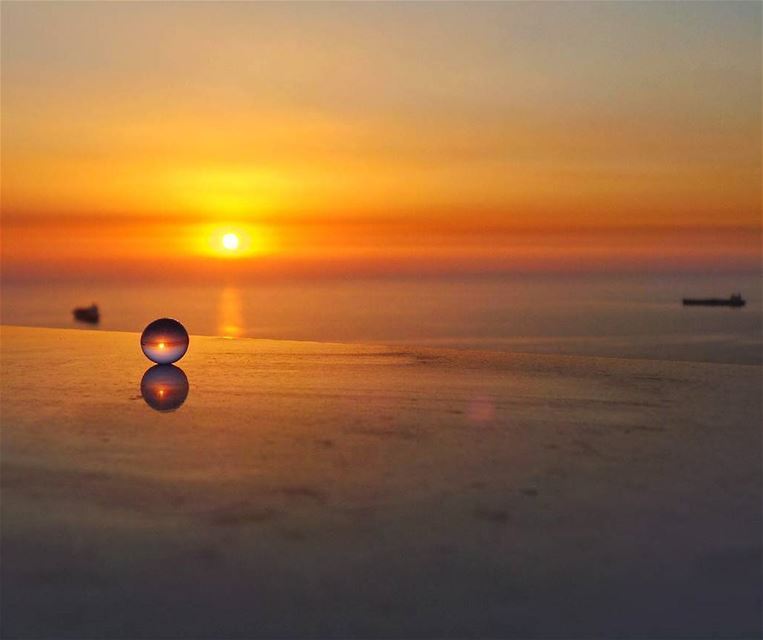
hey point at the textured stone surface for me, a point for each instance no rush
(324, 490)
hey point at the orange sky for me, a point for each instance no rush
(379, 138)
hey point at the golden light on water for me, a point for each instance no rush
(230, 316)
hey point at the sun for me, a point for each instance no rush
(231, 241)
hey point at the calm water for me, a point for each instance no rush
(607, 316)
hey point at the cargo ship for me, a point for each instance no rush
(736, 300)
(87, 314)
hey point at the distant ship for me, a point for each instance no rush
(87, 314)
(736, 300)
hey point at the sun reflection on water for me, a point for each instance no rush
(230, 317)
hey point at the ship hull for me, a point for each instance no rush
(712, 302)
(89, 315)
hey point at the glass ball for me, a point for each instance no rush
(164, 341)
(164, 387)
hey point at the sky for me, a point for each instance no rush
(380, 138)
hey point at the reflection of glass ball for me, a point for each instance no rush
(164, 341)
(164, 387)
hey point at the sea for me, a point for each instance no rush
(620, 316)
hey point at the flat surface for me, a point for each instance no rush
(318, 490)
